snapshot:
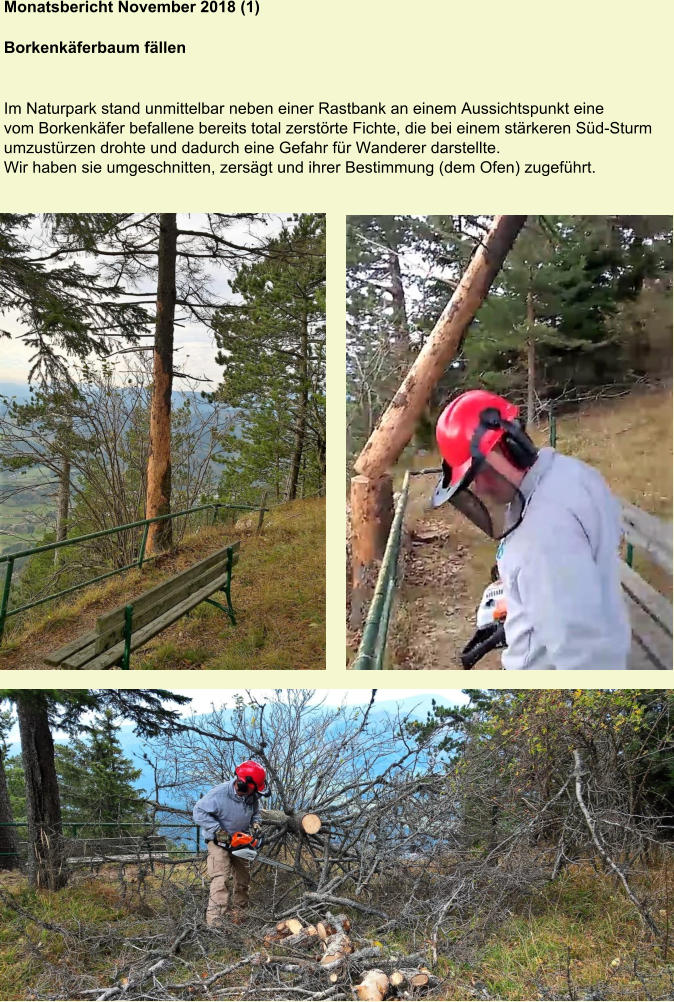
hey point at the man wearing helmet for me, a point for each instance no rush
(230, 807)
(559, 530)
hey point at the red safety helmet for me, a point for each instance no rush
(473, 480)
(458, 423)
(252, 772)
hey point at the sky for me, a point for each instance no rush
(194, 344)
(204, 699)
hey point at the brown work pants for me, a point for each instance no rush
(221, 866)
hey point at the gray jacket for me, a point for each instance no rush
(560, 571)
(223, 807)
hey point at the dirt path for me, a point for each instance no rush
(446, 567)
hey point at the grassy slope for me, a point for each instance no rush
(579, 929)
(278, 594)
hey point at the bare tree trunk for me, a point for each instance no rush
(301, 426)
(531, 360)
(397, 425)
(9, 842)
(46, 856)
(63, 507)
(158, 500)
(371, 518)
(397, 291)
(579, 772)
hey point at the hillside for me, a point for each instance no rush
(278, 594)
(575, 937)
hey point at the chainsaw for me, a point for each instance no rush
(246, 846)
(491, 616)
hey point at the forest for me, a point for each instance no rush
(479, 844)
(159, 363)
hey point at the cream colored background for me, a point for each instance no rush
(365, 50)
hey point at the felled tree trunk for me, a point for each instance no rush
(46, 855)
(158, 500)
(302, 823)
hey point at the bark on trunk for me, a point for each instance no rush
(297, 823)
(301, 426)
(63, 507)
(397, 425)
(531, 360)
(9, 842)
(46, 853)
(158, 500)
(371, 517)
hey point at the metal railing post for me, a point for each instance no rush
(143, 544)
(128, 617)
(5, 595)
(261, 518)
(553, 427)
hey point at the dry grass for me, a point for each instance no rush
(278, 594)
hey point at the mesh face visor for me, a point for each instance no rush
(485, 496)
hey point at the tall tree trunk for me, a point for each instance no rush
(159, 460)
(47, 865)
(63, 507)
(531, 360)
(301, 426)
(9, 841)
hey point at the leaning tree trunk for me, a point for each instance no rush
(371, 490)
(158, 500)
(301, 425)
(9, 842)
(47, 864)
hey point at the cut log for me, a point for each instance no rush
(338, 945)
(293, 926)
(412, 979)
(374, 986)
(311, 823)
(302, 822)
(322, 931)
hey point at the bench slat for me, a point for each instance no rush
(645, 595)
(56, 657)
(149, 600)
(81, 658)
(649, 532)
(182, 589)
(652, 638)
(109, 657)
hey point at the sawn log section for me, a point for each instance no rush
(128, 627)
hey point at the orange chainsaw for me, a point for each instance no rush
(246, 846)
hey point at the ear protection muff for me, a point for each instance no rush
(521, 450)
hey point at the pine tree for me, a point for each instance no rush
(9, 842)
(272, 348)
(97, 781)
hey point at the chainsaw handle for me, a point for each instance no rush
(485, 640)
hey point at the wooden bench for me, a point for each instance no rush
(650, 612)
(121, 631)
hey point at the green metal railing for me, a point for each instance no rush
(75, 828)
(373, 644)
(11, 558)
